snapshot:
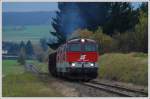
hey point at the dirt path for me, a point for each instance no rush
(65, 89)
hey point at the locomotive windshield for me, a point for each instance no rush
(75, 47)
(89, 47)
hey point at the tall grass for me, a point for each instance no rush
(131, 68)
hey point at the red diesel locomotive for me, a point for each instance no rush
(77, 58)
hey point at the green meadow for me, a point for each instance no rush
(11, 67)
(17, 82)
(129, 68)
(25, 33)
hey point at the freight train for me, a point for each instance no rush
(76, 59)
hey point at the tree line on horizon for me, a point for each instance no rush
(26, 50)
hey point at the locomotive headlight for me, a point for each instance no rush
(82, 40)
(73, 64)
(91, 64)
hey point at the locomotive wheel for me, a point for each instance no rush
(85, 80)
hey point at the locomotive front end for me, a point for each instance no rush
(82, 57)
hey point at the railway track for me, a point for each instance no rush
(115, 89)
(33, 69)
(121, 91)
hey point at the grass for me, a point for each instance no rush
(27, 85)
(18, 82)
(131, 68)
(11, 67)
(29, 32)
(43, 67)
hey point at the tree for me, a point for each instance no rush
(112, 17)
(121, 18)
(22, 45)
(11, 47)
(75, 15)
(141, 30)
(39, 53)
(43, 44)
(29, 49)
(22, 56)
(144, 7)
(136, 40)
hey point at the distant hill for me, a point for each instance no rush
(27, 18)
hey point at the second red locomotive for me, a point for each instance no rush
(77, 58)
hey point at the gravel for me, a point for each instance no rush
(75, 89)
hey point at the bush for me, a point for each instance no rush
(132, 41)
(39, 53)
(47, 53)
(22, 56)
(125, 42)
(82, 34)
(141, 33)
(105, 42)
(136, 40)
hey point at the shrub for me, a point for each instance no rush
(106, 43)
(125, 42)
(22, 56)
(82, 34)
(136, 40)
(141, 33)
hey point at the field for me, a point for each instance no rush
(43, 67)
(18, 82)
(30, 32)
(11, 67)
(130, 68)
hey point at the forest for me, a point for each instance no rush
(116, 26)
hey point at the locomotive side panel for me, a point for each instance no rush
(61, 62)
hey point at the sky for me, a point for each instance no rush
(29, 6)
(35, 6)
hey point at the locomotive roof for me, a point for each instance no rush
(77, 40)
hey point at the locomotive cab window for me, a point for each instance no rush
(89, 47)
(75, 47)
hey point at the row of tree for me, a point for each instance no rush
(13, 48)
(114, 18)
(26, 50)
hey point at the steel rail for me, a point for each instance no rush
(121, 87)
(115, 90)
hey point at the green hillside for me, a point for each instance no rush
(30, 32)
